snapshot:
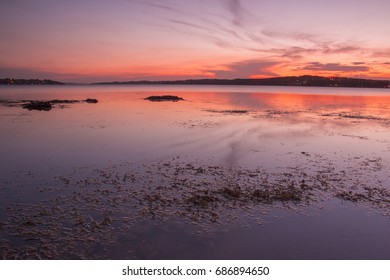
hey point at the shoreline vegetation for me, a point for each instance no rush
(307, 80)
(24, 82)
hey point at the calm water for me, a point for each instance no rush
(229, 173)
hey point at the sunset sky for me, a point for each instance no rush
(121, 40)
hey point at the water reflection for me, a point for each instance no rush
(223, 156)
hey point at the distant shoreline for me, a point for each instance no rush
(312, 81)
(304, 81)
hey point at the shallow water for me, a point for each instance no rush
(230, 172)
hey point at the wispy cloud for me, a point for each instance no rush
(213, 36)
(295, 36)
(161, 6)
(381, 53)
(334, 67)
(154, 4)
(246, 69)
(237, 11)
(226, 29)
(291, 52)
(211, 32)
(306, 43)
(341, 49)
(222, 28)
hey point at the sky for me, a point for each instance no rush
(124, 40)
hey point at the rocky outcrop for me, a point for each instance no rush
(160, 98)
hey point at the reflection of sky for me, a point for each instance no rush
(130, 39)
(125, 127)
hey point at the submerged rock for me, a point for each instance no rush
(159, 98)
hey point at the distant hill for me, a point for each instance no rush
(313, 81)
(9, 81)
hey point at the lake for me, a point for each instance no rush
(230, 172)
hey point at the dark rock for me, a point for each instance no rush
(38, 105)
(235, 111)
(44, 105)
(59, 101)
(159, 98)
(91, 100)
(229, 111)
